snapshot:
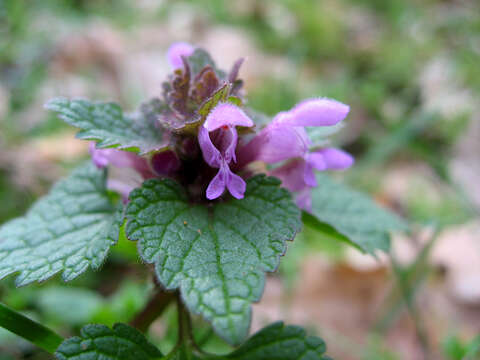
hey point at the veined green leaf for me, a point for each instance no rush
(216, 255)
(109, 126)
(280, 342)
(100, 342)
(354, 215)
(67, 231)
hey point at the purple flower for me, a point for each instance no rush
(176, 51)
(218, 140)
(285, 138)
(121, 159)
(298, 174)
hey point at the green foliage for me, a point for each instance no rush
(216, 255)
(456, 349)
(199, 59)
(67, 231)
(219, 95)
(353, 215)
(275, 342)
(98, 342)
(57, 303)
(280, 342)
(108, 125)
(28, 329)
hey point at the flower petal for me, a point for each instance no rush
(217, 186)
(235, 184)
(120, 187)
(309, 175)
(225, 114)
(176, 51)
(304, 199)
(211, 154)
(317, 112)
(104, 157)
(278, 142)
(225, 141)
(316, 160)
(334, 159)
(292, 175)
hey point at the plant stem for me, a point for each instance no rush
(154, 308)
(185, 329)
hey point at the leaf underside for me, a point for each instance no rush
(217, 256)
(354, 215)
(99, 342)
(67, 231)
(109, 126)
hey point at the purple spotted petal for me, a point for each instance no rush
(225, 114)
(334, 159)
(317, 112)
(176, 51)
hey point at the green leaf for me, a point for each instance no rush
(217, 255)
(201, 58)
(280, 342)
(28, 329)
(99, 342)
(109, 126)
(219, 95)
(353, 215)
(56, 302)
(67, 231)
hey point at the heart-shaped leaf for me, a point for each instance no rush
(216, 254)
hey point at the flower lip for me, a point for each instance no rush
(218, 140)
(317, 112)
(226, 115)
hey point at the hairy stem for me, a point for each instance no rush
(154, 308)
(185, 328)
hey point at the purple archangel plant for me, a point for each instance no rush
(210, 190)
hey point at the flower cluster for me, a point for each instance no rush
(213, 138)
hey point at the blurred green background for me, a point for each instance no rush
(409, 69)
